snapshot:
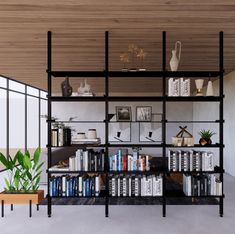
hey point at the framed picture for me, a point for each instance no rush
(123, 113)
(144, 113)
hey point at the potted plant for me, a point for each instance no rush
(22, 182)
(205, 137)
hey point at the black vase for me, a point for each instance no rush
(66, 88)
(66, 137)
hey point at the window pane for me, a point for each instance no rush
(43, 124)
(16, 122)
(32, 123)
(32, 91)
(43, 94)
(2, 123)
(3, 82)
(13, 85)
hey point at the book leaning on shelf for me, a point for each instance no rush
(190, 160)
(202, 185)
(122, 161)
(75, 186)
(135, 186)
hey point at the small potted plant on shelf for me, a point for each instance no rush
(23, 178)
(206, 137)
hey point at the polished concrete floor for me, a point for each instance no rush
(124, 219)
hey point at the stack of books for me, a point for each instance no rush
(75, 186)
(202, 185)
(87, 160)
(178, 87)
(122, 161)
(86, 141)
(190, 160)
(135, 186)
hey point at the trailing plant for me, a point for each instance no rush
(206, 134)
(23, 171)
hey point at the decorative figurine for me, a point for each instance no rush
(125, 59)
(141, 55)
(174, 62)
(85, 89)
(133, 49)
(66, 88)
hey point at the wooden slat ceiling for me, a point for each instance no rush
(78, 28)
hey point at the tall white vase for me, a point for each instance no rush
(209, 91)
(175, 58)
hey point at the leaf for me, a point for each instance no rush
(27, 153)
(36, 156)
(29, 175)
(39, 166)
(27, 163)
(20, 158)
(38, 174)
(16, 181)
(4, 161)
(7, 183)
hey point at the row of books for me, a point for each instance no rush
(202, 185)
(135, 186)
(74, 186)
(122, 161)
(87, 160)
(178, 87)
(190, 160)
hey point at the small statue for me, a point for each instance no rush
(125, 59)
(141, 55)
(66, 88)
(84, 88)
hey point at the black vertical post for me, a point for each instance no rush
(7, 118)
(30, 208)
(11, 207)
(26, 120)
(39, 119)
(2, 208)
(164, 120)
(221, 129)
(49, 122)
(106, 121)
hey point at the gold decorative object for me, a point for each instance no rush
(133, 49)
(141, 54)
(125, 59)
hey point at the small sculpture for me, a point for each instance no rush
(133, 49)
(66, 88)
(84, 89)
(141, 54)
(125, 59)
(174, 62)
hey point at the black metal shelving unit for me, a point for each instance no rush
(106, 98)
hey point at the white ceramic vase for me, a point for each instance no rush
(199, 85)
(209, 91)
(175, 59)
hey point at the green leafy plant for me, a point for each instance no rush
(206, 134)
(23, 171)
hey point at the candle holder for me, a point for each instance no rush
(199, 85)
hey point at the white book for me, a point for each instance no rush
(149, 186)
(179, 160)
(136, 186)
(124, 187)
(218, 188)
(85, 160)
(176, 87)
(78, 156)
(72, 163)
(147, 163)
(97, 186)
(208, 161)
(114, 187)
(80, 186)
(63, 186)
(129, 186)
(170, 87)
(118, 187)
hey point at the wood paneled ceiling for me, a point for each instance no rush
(78, 28)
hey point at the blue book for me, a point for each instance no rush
(119, 159)
(135, 160)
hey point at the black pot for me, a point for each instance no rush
(204, 141)
(66, 137)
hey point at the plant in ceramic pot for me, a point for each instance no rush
(206, 137)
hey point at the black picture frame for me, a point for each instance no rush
(145, 115)
(123, 114)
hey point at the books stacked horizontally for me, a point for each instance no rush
(87, 160)
(134, 186)
(202, 185)
(86, 141)
(190, 160)
(178, 87)
(122, 161)
(74, 186)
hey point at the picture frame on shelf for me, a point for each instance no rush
(144, 113)
(123, 114)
